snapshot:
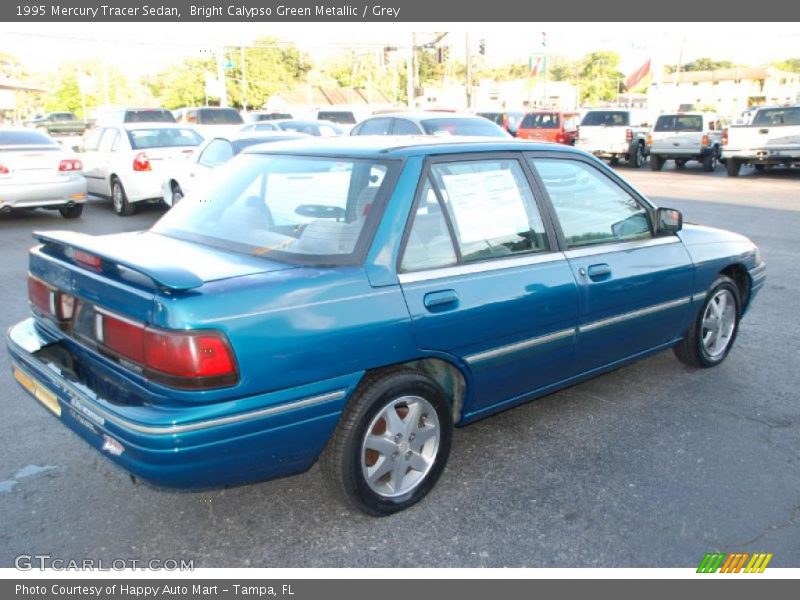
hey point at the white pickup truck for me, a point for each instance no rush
(615, 133)
(686, 136)
(772, 138)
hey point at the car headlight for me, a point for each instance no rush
(758, 256)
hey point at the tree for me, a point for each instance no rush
(184, 84)
(563, 69)
(102, 84)
(703, 64)
(364, 71)
(600, 78)
(790, 64)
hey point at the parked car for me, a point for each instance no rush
(134, 115)
(57, 123)
(341, 115)
(771, 139)
(351, 301)
(183, 177)
(258, 116)
(315, 128)
(615, 133)
(36, 172)
(549, 126)
(686, 136)
(211, 120)
(126, 162)
(508, 120)
(428, 123)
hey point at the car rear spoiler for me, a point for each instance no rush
(168, 277)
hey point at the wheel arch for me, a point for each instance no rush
(741, 278)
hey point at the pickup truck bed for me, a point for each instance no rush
(773, 138)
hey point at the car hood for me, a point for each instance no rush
(701, 234)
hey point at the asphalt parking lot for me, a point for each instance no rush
(652, 465)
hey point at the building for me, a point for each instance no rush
(306, 98)
(8, 97)
(727, 91)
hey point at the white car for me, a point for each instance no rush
(36, 172)
(126, 162)
(190, 175)
(210, 121)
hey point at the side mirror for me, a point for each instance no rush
(668, 220)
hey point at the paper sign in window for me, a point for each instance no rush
(486, 205)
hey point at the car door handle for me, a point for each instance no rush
(441, 300)
(599, 272)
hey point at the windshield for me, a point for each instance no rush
(294, 208)
(455, 126)
(219, 116)
(679, 123)
(778, 116)
(26, 138)
(163, 138)
(605, 117)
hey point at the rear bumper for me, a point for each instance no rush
(32, 195)
(764, 156)
(187, 446)
(606, 150)
(687, 153)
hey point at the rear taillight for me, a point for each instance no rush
(141, 162)
(49, 300)
(182, 359)
(70, 164)
(4, 170)
(649, 140)
(725, 137)
(629, 135)
(706, 140)
(561, 138)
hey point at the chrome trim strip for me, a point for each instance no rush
(620, 246)
(699, 296)
(633, 314)
(79, 397)
(480, 267)
(517, 346)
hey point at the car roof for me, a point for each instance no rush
(386, 146)
(261, 135)
(150, 125)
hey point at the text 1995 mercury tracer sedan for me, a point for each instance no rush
(351, 300)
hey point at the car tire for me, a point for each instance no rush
(177, 194)
(710, 338)
(119, 199)
(614, 160)
(71, 212)
(380, 460)
(760, 168)
(711, 161)
(656, 163)
(637, 160)
(732, 167)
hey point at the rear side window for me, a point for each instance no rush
(217, 152)
(429, 244)
(609, 118)
(219, 116)
(405, 127)
(378, 126)
(471, 190)
(25, 138)
(679, 123)
(591, 208)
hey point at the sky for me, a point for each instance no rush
(140, 48)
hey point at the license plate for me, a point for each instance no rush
(41, 393)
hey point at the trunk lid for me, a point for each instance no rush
(35, 164)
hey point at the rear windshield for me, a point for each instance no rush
(272, 116)
(337, 116)
(163, 138)
(299, 209)
(454, 126)
(148, 116)
(540, 121)
(219, 116)
(605, 117)
(778, 116)
(26, 138)
(63, 116)
(679, 123)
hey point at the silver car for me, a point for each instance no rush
(36, 172)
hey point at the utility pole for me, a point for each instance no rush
(411, 72)
(244, 79)
(223, 91)
(544, 65)
(469, 70)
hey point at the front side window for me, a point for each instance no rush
(405, 127)
(591, 208)
(378, 126)
(295, 208)
(491, 207)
